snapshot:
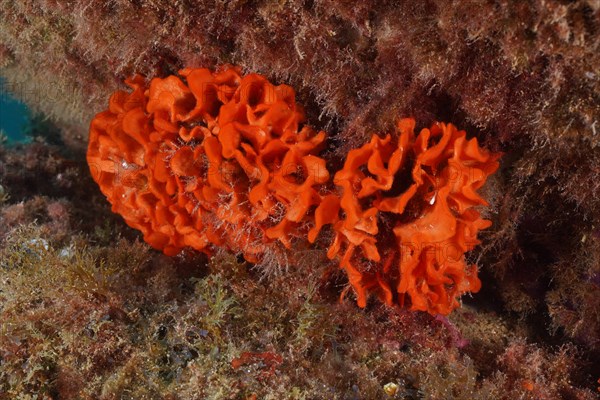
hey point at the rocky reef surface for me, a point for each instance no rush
(89, 311)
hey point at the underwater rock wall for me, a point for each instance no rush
(522, 77)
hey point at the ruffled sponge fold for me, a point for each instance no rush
(403, 216)
(217, 159)
(208, 159)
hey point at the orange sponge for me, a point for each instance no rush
(217, 159)
(404, 216)
(208, 159)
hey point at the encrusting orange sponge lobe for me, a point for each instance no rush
(424, 188)
(210, 160)
(217, 160)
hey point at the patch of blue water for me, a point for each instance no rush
(15, 117)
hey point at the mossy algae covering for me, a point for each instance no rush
(89, 311)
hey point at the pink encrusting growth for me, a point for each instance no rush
(217, 159)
